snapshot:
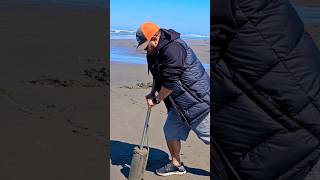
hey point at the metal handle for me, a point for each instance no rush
(146, 125)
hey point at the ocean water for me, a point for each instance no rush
(122, 55)
(131, 34)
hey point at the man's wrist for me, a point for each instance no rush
(155, 100)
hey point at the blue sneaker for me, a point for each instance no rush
(170, 169)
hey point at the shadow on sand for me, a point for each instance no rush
(121, 154)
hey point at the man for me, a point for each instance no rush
(266, 100)
(182, 83)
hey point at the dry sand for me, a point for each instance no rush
(128, 110)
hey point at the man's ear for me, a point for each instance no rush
(157, 41)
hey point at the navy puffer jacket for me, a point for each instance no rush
(175, 66)
(267, 94)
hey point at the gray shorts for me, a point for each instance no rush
(175, 129)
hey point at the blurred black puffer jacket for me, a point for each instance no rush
(266, 90)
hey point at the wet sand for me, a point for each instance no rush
(52, 92)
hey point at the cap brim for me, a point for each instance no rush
(142, 47)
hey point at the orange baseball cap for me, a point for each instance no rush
(144, 34)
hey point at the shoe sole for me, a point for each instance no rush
(171, 173)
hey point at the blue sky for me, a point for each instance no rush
(185, 16)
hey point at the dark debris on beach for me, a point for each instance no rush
(140, 85)
(97, 74)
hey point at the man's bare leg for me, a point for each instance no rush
(174, 147)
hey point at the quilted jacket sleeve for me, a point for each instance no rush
(172, 60)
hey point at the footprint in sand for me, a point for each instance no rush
(85, 131)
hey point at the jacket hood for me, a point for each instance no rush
(167, 36)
